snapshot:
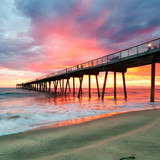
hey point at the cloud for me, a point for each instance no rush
(115, 21)
(38, 35)
(16, 53)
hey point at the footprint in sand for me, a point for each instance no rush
(128, 158)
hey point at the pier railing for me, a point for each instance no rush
(114, 57)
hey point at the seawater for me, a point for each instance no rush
(22, 110)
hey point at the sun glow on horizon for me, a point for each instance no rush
(138, 76)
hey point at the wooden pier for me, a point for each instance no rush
(140, 55)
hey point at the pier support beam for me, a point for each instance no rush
(152, 81)
(80, 87)
(124, 85)
(49, 90)
(114, 85)
(67, 84)
(62, 85)
(80, 83)
(97, 86)
(56, 86)
(36, 86)
(89, 87)
(46, 86)
(73, 85)
(40, 86)
(104, 85)
(43, 86)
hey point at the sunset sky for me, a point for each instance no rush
(38, 37)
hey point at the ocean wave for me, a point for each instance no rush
(9, 117)
(4, 95)
(10, 93)
(30, 109)
(23, 118)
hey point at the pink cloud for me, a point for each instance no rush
(66, 51)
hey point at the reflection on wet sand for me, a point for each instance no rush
(81, 120)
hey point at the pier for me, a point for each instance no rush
(139, 55)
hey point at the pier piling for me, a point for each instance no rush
(97, 86)
(104, 85)
(124, 85)
(89, 87)
(73, 85)
(80, 87)
(152, 81)
(114, 85)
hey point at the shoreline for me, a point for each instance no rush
(131, 134)
(76, 121)
(81, 120)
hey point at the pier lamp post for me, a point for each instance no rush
(149, 46)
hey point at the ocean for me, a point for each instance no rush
(22, 110)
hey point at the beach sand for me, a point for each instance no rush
(135, 135)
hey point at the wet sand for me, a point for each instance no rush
(135, 135)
